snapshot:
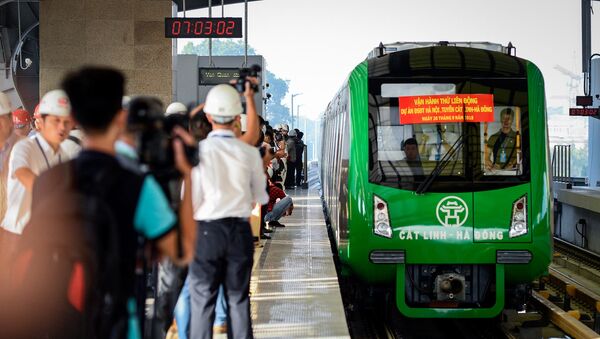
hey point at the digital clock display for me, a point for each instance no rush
(203, 27)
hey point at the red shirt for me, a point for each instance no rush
(274, 194)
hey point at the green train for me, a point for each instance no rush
(435, 176)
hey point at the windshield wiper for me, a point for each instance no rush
(457, 146)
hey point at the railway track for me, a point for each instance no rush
(563, 308)
(563, 297)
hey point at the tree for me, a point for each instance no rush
(579, 161)
(220, 47)
(275, 111)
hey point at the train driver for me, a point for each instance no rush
(502, 144)
(411, 153)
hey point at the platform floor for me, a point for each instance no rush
(294, 288)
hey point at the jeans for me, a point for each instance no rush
(224, 256)
(183, 307)
(278, 210)
(170, 281)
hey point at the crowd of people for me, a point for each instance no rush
(93, 201)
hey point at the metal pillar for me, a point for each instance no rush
(210, 62)
(594, 129)
(246, 33)
(293, 95)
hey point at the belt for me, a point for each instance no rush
(229, 219)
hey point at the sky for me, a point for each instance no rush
(316, 43)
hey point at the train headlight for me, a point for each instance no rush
(381, 222)
(518, 224)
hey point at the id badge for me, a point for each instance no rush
(503, 157)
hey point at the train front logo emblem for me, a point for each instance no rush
(452, 211)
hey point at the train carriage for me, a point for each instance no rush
(435, 176)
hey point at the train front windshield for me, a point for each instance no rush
(462, 135)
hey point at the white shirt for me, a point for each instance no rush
(35, 154)
(229, 178)
(71, 148)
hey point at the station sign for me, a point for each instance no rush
(203, 27)
(434, 109)
(584, 112)
(216, 76)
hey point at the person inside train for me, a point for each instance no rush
(502, 144)
(411, 154)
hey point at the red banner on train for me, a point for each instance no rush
(435, 109)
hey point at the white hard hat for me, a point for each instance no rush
(176, 107)
(223, 103)
(292, 133)
(285, 127)
(55, 102)
(4, 104)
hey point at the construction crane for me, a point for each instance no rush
(573, 84)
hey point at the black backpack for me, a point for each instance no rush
(65, 273)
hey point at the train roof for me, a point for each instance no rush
(384, 49)
(448, 60)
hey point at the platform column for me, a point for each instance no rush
(127, 35)
(594, 129)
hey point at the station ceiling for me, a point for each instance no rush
(196, 4)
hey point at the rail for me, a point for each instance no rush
(566, 321)
(571, 306)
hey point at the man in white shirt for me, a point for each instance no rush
(8, 138)
(32, 156)
(226, 184)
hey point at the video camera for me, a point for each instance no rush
(240, 83)
(154, 133)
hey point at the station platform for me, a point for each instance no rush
(294, 288)
(578, 216)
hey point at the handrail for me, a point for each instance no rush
(561, 164)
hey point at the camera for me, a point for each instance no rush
(240, 83)
(154, 135)
(278, 137)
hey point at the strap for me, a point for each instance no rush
(74, 139)
(37, 141)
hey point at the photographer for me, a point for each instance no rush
(231, 180)
(147, 126)
(135, 202)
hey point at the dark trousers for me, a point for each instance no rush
(290, 179)
(224, 255)
(169, 282)
(299, 174)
